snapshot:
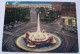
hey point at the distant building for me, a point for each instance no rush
(66, 8)
(69, 14)
(30, 5)
(69, 9)
(69, 21)
(57, 6)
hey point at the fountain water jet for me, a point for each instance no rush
(38, 24)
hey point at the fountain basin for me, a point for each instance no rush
(43, 38)
(45, 47)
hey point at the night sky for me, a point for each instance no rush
(31, 2)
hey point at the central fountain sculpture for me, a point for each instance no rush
(34, 39)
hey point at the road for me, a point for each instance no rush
(33, 15)
(69, 39)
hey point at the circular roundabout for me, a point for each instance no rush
(20, 42)
(39, 41)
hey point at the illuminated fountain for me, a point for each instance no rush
(30, 41)
(39, 37)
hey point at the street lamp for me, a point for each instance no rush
(47, 12)
(40, 12)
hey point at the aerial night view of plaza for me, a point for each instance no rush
(40, 27)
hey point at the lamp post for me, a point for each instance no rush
(15, 14)
(48, 14)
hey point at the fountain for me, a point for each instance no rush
(39, 37)
(30, 40)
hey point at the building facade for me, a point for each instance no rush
(30, 5)
(69, 9)
(57, 6)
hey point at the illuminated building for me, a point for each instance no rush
(14, 5)
(69, 20)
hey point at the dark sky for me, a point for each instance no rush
(31, 2)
